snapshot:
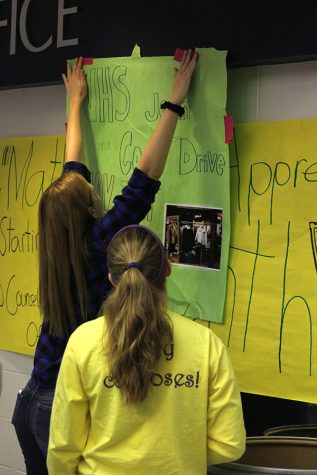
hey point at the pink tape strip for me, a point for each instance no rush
(228, 128)
(178, 54)
(88, 61)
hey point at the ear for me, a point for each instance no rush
(169, 268)
(111, 279)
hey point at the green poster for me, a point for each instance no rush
(191, 212)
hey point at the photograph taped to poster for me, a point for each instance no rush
(192, 235)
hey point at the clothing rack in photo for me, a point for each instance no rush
(199, 223)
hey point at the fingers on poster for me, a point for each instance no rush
(193, 235)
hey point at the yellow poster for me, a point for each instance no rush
(271, 303)
(28, 166)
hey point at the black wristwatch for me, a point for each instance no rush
(173, 107)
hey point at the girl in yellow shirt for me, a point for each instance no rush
(143, 390)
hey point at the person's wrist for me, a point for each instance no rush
(75, 101)
(175, 108)
(175, 100)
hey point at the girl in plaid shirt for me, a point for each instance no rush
(74, 232)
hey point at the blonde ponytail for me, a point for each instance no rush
(137, 325)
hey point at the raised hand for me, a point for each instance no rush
(182, 77)
(75, 82)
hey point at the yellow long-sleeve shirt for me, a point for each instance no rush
(191, 416)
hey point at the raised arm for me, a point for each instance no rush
(153, 158)
(76, 87)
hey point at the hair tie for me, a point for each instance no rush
(133, 264)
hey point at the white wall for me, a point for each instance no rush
(254, 94)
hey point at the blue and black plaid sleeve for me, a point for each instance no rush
(130, 207)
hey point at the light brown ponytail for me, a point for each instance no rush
(137, 325)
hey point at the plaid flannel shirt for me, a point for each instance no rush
(130, 207)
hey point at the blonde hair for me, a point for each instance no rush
(64, 222)
(137, 325)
